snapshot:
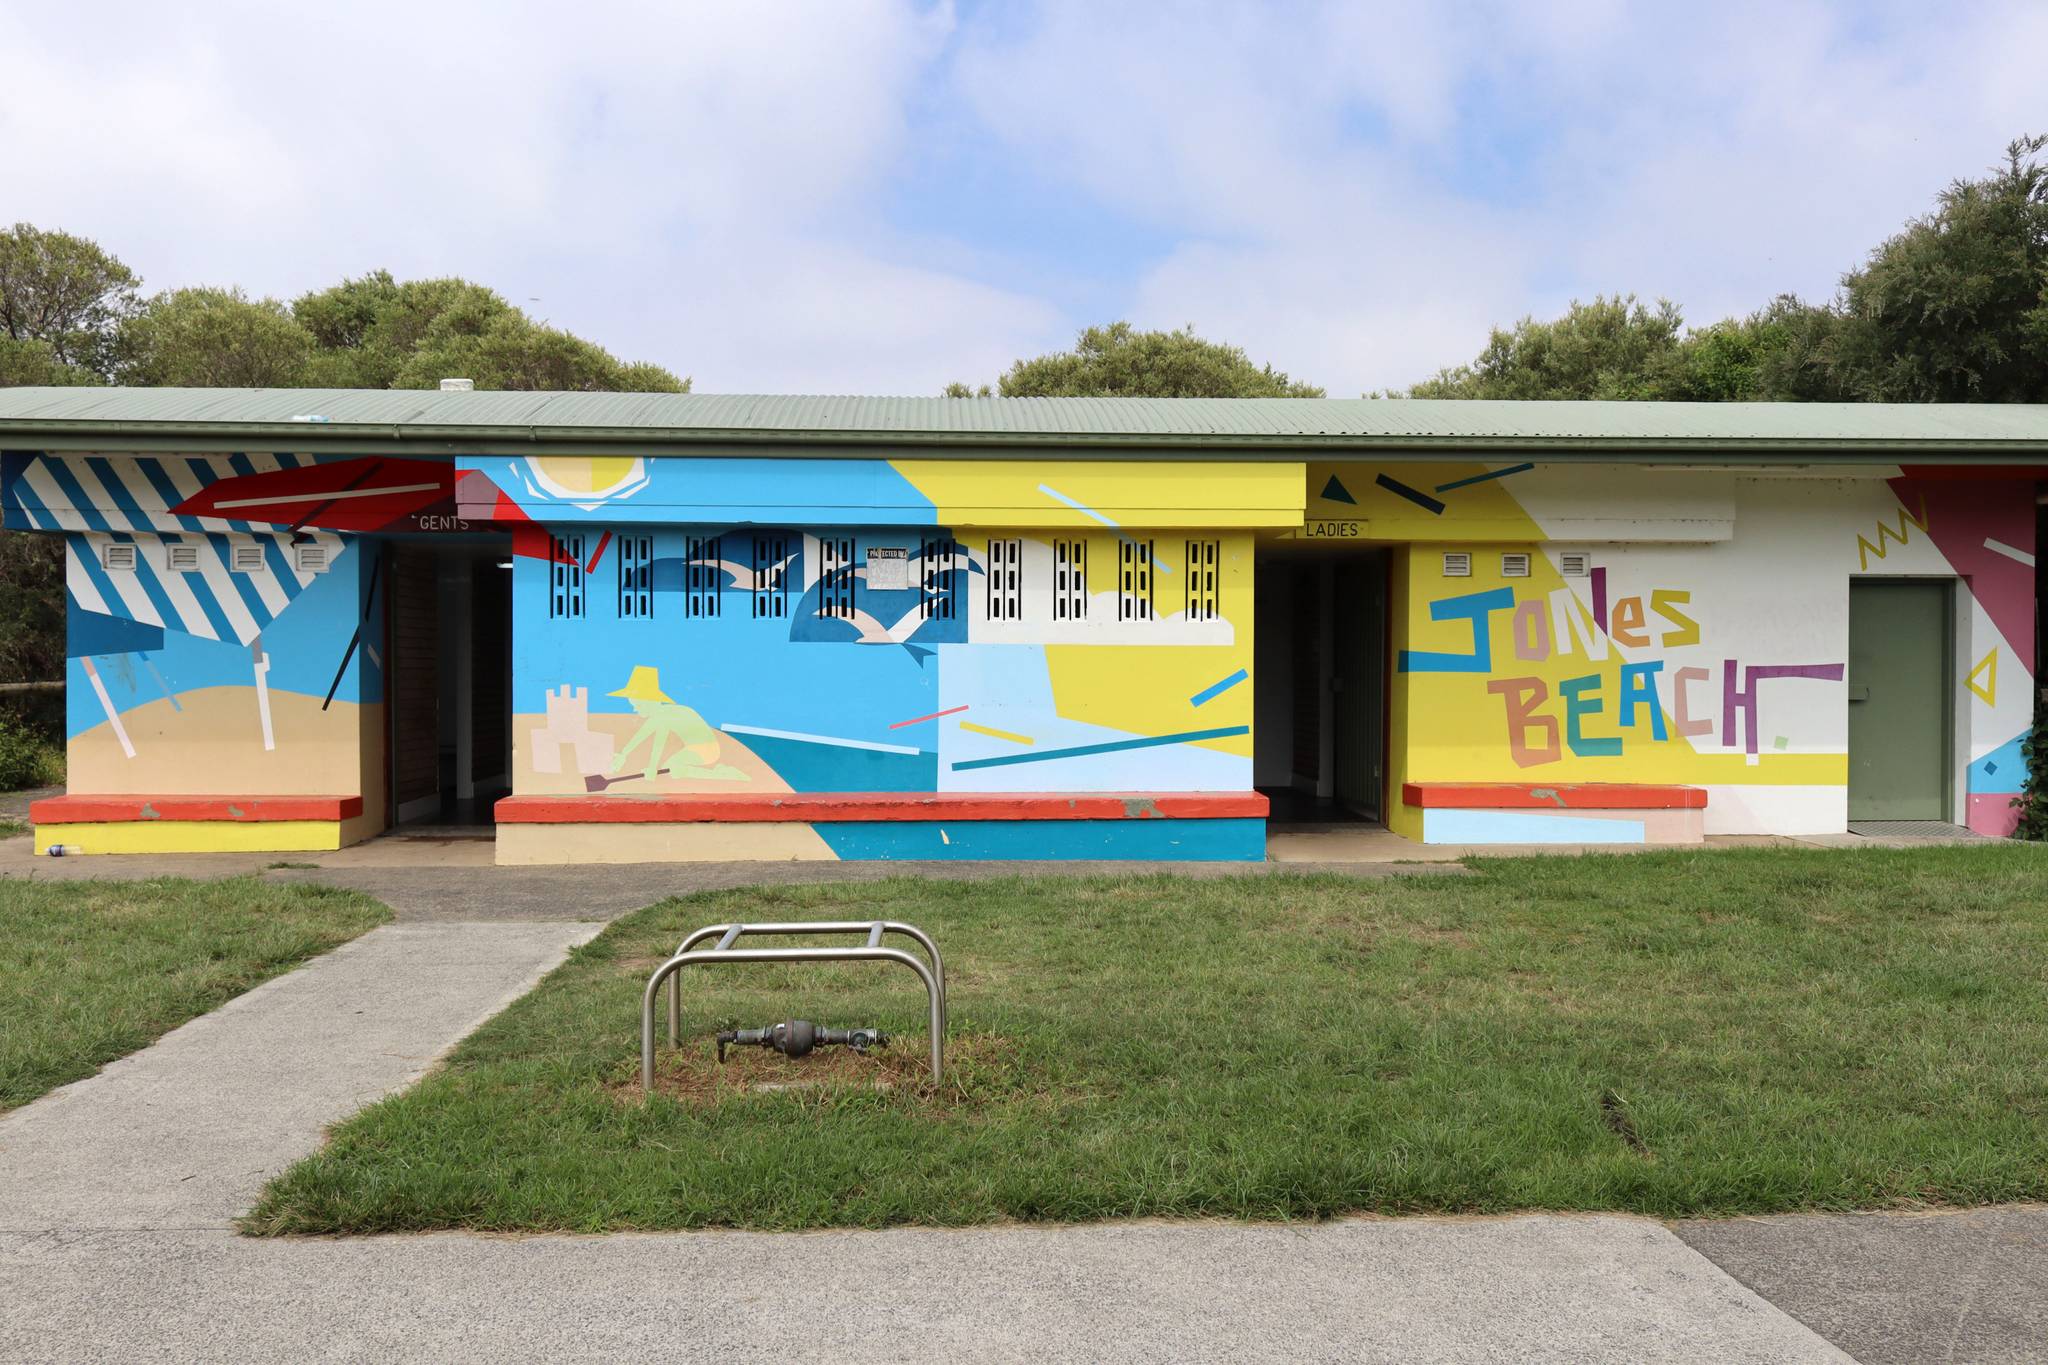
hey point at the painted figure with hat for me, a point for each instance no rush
(663, 719)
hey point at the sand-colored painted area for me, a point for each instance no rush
(711, 842)
(737, 768)
(212, 744)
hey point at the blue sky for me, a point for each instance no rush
(879, 196)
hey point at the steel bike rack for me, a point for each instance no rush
(687, 955)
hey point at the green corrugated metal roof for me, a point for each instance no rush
(385, 419)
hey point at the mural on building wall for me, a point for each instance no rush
(719, 626)
(1701, 637)
(708, 626)
(211, 599)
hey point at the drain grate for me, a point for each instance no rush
(1912, 829)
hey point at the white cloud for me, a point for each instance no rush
(1331, 172)
(681, 183)
(1353, 192)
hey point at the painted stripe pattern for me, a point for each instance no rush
(124, 500)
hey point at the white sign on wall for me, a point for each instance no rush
(888, 569)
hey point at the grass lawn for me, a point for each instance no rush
(1672, 1033)
(10, 828)
(91, 971)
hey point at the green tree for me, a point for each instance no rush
(1119, 361)
(214, 338)
(1611, 348)
(1954, 309)
(25, 363)
(511, 351)
(376, 332)
(66, 294)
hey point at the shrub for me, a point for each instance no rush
(25, 760)
(2033, 798)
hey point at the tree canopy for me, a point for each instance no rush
(64, 297)
(376, 332)
(70, 313)
(1952, 309)
(1120, 361)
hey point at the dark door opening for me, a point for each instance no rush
(449, 680)
(1901, 710)
(1319, 646)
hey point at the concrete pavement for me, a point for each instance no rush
(184, 1133)
(1899, 1287)
(1524, 1289)
(448, 880)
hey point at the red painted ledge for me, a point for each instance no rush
(822, 807)
(1556, 796)
(108, 810)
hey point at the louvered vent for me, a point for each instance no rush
(835, 577)
(1134, 581)
(1457, 564)
(771, 576)
(1005, 580)
(636, 577)
(940, 598)
(1204, 589)
(703, 575)
(1069, 580)
(565, 577)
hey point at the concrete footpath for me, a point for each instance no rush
(1525, 1289)
(183, 1134)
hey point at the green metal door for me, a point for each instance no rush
(1899, 699)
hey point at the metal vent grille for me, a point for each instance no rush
(835, 577)
(1457, 564)
(246, 559)
(118, 557)
(771, 576)
(565, 577)
(636, 577)
(1204, 591)
(181, 558)
(940, 600)
(703, 575)
(1573, 564)
(1514, 566)
(309, 557)
(1069, 580)
(1005, 580)
(1134, 582)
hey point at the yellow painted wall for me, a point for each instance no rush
(1137, 494)
(194, 836)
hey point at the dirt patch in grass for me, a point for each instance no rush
(978, 1068)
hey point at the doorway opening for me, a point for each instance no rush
(449, 681)
(1901, 702)
(1320, 653)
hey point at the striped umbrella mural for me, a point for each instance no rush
(242, 574)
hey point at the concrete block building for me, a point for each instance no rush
(648, 627)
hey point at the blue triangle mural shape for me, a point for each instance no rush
(1333, 491)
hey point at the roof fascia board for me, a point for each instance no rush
(385, 438)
